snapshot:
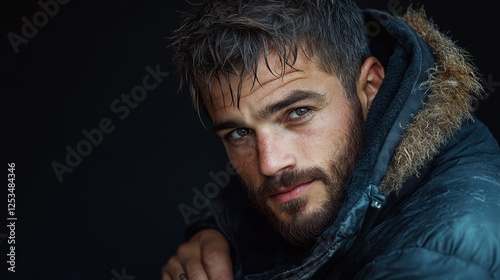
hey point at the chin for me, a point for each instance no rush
(300, 222)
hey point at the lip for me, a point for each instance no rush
(290, 193)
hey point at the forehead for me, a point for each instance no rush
(271, 73)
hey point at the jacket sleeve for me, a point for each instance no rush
(206, 220)
(215, 214)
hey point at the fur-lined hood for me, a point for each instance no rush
(452, 84)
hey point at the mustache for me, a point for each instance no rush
(291, 178)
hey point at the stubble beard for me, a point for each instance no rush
(301, 228)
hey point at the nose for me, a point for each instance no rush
(275, 153)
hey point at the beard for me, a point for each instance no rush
(300, 227)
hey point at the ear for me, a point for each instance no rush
(371, 77)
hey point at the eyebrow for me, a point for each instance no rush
(271, 109)
(230, 123)
(294, 97)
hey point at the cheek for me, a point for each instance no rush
(325, 137)
(244, 161)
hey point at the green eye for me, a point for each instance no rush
(299, 112)
(238, 133)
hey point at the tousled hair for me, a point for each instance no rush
(224, 38)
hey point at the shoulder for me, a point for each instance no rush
(463, 184)
(449, 227)
(451, 233)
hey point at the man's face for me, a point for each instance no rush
(293, 141)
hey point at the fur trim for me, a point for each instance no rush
(452, 84)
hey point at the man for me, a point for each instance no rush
(358, 156)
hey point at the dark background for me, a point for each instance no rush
(116, 214)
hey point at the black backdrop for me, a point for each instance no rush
(67, 72)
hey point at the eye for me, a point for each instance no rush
(238, 133)
(299, 112)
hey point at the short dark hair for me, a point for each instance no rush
(227, 37)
